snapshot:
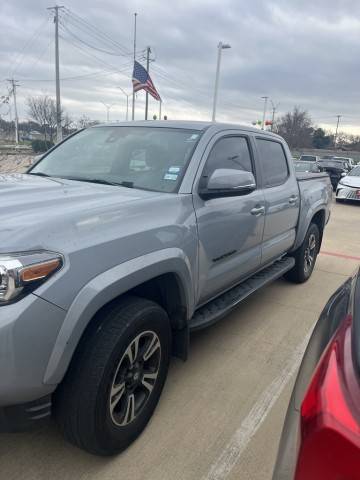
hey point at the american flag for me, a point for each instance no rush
(141, 80)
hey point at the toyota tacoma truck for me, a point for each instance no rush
(122, 240)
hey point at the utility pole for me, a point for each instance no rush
(337, 128)
(148, 51)
(160, 106)
(264, 113)
(13, 92)
(221, 47)
(133, 99)
(57, 73)
(274, 108)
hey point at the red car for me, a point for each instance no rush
(321, 434)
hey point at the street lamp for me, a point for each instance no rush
(107, 110)
(127, 101)
(221, 47)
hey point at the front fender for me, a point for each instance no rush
(104, 288)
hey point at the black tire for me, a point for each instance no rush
(302, 270)
(82, 402)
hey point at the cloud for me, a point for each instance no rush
(298, 53)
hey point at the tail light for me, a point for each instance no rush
(330, 415)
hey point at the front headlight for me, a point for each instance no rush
(20, 273)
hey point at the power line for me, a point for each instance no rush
(85, 52)
(86, 25)
(30, 42)
(88, 44)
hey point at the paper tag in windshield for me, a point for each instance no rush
(171, 176)
(174, 170)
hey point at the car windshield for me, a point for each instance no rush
(147, 158)
(304, 166)
(355, 172)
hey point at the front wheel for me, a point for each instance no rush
(305, 256)
(116, 378)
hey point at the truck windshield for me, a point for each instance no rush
(148, 158)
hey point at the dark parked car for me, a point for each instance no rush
(302, 166)
(321, 434)
(335, 168)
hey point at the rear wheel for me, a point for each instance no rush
(116, 378)
(305, 256)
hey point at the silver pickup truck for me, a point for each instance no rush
(122, 240)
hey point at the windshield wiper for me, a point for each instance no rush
(102, 181)
(40, 174)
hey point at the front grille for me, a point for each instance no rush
(348, 193)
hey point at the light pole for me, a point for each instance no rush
(264, 114)
(221, 47)
(108, 107)
(127, 102)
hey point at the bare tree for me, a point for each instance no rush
(85, 121)
(296, 127)
(42, 109)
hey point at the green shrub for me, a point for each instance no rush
(40, 146)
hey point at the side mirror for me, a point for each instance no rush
(227, 182)
(343, 174)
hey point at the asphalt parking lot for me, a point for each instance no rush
(221, 413)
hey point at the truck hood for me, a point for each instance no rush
(31, 204)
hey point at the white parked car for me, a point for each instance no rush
(349, 186)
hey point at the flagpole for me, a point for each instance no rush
(148, 51)
(133, 99)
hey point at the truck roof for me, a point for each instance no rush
(188, 124)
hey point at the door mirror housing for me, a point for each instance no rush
(228, 182)
(343, 174)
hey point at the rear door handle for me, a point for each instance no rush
(293, 199)
(257, 211)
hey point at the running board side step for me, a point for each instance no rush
(222, 305)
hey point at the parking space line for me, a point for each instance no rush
(340, 255)
(221, 468)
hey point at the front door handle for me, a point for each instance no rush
(293, 199)
(257, 211)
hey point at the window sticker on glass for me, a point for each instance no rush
(174, 169)
(171, 176)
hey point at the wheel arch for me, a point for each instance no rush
(164, 277)
(316, 215)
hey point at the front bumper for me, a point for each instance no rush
(28, 331)
(344, 192)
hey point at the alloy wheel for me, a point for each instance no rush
(135, 378)
(309, 255)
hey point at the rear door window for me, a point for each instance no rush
(273, 162)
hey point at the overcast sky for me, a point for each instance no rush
(302, 53)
